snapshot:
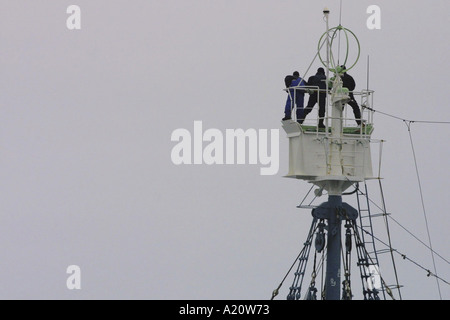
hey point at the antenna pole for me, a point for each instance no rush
(334, 210)
(326, 12)
(333, 277)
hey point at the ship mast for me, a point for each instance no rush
(333, 159)
(333, 210)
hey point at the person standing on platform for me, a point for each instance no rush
(297, 95)
(318, 80)
(349, 83)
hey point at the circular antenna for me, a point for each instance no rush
(332, 34)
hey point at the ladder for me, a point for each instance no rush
(295, 289)
(365, 244)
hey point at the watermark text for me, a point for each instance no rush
(236, 146)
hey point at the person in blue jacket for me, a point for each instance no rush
(297, 94)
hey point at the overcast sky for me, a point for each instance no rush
(86, 176)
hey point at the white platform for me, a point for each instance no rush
(329, 163)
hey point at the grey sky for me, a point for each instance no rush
(86, 176)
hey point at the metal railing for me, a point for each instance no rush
(365, 106)
(304, 90)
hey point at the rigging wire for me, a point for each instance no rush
(276, 291)
(391, 249)
(305, 247)
(301, 203)
(408, 124)
(404, 228)
(406, 120)
(386, 223)
(314, 59)
(405, 257)
(414, 236)
(429, 273)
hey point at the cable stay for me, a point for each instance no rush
(423, 207)
(389, 244)
(295, 289)
(317, 193)
(404, 119)
(405, 257)
(417, 238)
(312, 290)
(302, 258)
(389, 216)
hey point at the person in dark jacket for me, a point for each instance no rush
(349, 83)
(288, 80)
(297, 94)
(318, 80)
